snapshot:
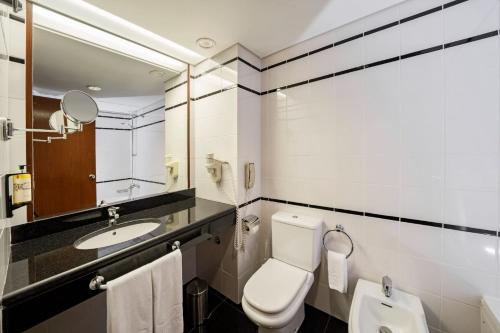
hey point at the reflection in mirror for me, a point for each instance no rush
(126, 152)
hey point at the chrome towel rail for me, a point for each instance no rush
(340, 228)
(98, 282)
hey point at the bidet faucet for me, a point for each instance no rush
(387, 286)
(113, 215)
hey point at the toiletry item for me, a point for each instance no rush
(337, 271)
(21, 192)
(130, 302)
(167, 293)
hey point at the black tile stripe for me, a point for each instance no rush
(223, 90)
(176, 86)
(113, 128)
(148, 112)
(380, 216)
(112, 180)
(297, 57)
(324, 77)
(350, 70)
(369, 32)
(175, 106)
(129, 178)
(453, 3)
(471, 39)
(276, 65)
(17, 60)
(422, 52)
(331, 209)
(387, 26)
(248, 64)
(348, 211)
(382, 62)
(421, 14)
(148, 181)
(420, 222)
(150, 124)
(248, 89)
(469, 229)
(112, 117)
(347, 40)
(214, 68)
(16, 18)
(321, 49)
(393, 59)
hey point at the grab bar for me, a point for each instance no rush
(98, 282)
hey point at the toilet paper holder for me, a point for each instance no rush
(340, 228)
(250, 221)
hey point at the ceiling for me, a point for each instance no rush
(61, 64)
(263, 26)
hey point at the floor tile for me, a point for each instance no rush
(314, 321)
(336, 326)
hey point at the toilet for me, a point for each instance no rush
(273, 297)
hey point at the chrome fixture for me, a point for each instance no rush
(340, 228)
(387, 286)
(98, 282)
(113, 215)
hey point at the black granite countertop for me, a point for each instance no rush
(44, 262)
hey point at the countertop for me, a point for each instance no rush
(43, 262)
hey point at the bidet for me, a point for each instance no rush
(373, 311)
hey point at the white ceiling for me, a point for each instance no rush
(263, 26)
(61, 64)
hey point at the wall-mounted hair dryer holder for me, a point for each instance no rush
(214, 168)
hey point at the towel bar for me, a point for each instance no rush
(97, 283)
(340, 228)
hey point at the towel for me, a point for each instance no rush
(167, 293)
(337, 271)
(129, 302)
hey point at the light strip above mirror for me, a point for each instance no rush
(64, 25)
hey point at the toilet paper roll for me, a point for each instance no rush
(253, 230)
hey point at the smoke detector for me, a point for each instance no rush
(205, 42)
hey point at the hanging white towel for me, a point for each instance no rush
(167, 293)
(337, 271)
(130, 302)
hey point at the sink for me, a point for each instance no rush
(118, 233)
(372, 312)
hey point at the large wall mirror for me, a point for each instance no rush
(137, 146)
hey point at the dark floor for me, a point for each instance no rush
(225, 316)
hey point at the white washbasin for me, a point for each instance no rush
(117, 234)
(371, 311)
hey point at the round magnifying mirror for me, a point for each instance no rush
(79, 107)
(57, 120)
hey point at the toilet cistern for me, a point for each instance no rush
(387, 286)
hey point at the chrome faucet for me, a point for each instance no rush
(113, 215)
(387, 286)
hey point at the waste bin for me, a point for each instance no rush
(197, 292)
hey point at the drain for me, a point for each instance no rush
(384, 329)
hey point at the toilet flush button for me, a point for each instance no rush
(295, 216)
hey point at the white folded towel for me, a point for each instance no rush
(337, 271)
(129, 302)
(167, 293)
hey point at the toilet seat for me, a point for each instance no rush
(273, 295)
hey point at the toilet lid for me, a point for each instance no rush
(274, 286)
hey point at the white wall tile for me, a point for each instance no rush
(470, 18)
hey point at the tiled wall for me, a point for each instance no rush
(12, 105)
(176, 124)
(390, 126)
(226, 122)
(129, 151)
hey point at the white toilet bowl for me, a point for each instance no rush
(274, 296)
